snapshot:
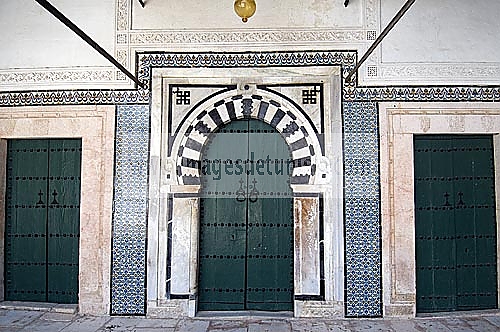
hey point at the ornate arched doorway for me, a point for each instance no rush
(181, 136)
(246, 219)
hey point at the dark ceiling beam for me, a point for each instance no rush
(142, 3)
(379, 39)
(60, 16)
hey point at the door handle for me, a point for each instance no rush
(40, 194)
(254, 193)
(446, 201)
(54, 201)
(241, 193)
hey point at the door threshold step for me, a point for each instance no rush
(458, 313)
(40, 306)
(244, 314)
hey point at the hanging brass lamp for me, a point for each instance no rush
(245, 9)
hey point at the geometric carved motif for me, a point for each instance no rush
(310, 96)
(182, 97)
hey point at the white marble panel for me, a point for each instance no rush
(185, 213)
(306, 246)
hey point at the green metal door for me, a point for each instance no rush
(42, 220)
(246, 242)
(455, 223)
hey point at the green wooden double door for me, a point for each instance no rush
(42, 220)
(455, 223)
(246, 227)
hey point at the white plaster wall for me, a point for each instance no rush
(438, 42)
(217, 14)
(32, 38)
(443, 31)
(445, 42)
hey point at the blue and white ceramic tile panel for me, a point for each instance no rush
(363, 271)
(128, 276)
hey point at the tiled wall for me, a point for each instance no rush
(362, 217)
(128, 276)
(363, 286)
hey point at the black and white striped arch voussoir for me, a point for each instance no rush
(237, 107)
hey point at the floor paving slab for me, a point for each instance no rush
(18, 318)
(269, 327)
(406, 325)
(192, 325)
(156, 323)
(86, 324)
(495, 320)
(40, 325)
(9, 329)
(432, 325)
(58, 317)
(308, 325)
(457, 324)
(371, 325)
(340, 325)
(120, 324)
(482, 325)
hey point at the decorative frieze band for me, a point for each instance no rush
(345, 59)
(74, 97)
(423, 93)
(14, 78)
(245, 37)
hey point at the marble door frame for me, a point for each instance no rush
(398, 123)
(174, 202)
(95, 126)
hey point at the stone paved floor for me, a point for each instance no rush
(34, 321)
